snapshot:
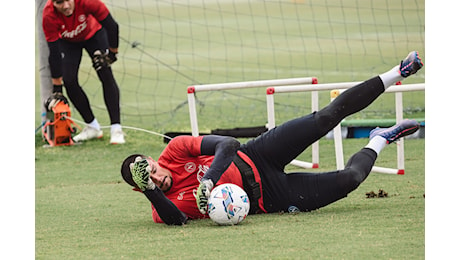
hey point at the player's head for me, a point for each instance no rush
(65, 7)
(125, 171)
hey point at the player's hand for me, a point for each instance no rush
(111, 57)
(140, 170)
(54, 99)
(101, 60)
(202, 195)
(98, 60)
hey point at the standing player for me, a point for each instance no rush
(179, 183)
(71, 26)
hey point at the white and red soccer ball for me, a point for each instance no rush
(228, 204)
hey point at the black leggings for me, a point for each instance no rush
(72, 53)
(273, 150)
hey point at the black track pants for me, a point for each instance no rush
(273, 150)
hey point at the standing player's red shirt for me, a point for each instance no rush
(80, 26)
(183, 158)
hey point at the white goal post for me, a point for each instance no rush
(336, 89)
(191, 90)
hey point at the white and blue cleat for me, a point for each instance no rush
(410, 65)
(392, 134)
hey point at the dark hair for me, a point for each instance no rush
(126, 172)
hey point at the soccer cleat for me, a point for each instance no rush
(392, 134)
(410, 65)
(88, 133)
(117, 137)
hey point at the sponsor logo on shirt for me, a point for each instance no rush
(74, 33)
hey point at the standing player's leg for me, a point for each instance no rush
(97, 47)
(70, 65)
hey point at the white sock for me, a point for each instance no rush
(95, 124)
(115, 127)
(390, 77)
(377, 144)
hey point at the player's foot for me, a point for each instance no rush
(117, 137)
(88, 133)
(410, 65)
(405, 128)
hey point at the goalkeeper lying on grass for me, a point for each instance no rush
(178, 184)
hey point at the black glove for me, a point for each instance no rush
(99, 60)
(54, 99)
(103, 59)
(111, 57)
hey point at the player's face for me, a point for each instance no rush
(66, 7)
(160, 176)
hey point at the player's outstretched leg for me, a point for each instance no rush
(361, 163)
(284, 143)
(362, 95)
(309, 191)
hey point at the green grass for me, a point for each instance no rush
(83, 210)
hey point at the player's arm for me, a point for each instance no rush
(224, 149)
(140, 170)
(55, 63)
(112, 31)
(167, 211)
(112, 34)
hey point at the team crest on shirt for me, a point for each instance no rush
(81, 18)
(190, 167)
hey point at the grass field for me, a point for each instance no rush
(83, 210)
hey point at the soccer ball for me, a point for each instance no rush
(228, 204)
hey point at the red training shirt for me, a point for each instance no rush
(80, 26)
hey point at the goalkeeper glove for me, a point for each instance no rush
(140, 171)
(111, 57)
(54, 99)
(203, 193)
(101, 60)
